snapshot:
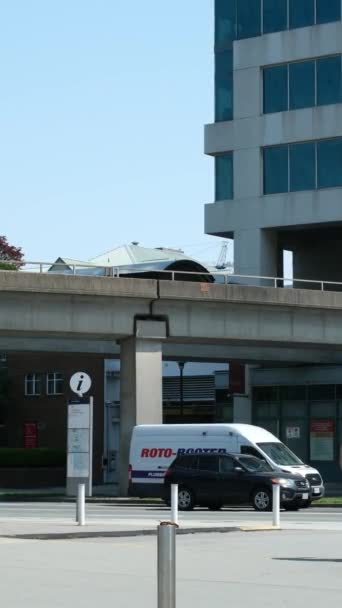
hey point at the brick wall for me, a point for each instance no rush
(50, 411)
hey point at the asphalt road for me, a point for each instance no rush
(151, 515)
(283, 569)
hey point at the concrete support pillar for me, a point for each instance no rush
(243, 409)
(141, 399)
(243, 403)
(256, 254)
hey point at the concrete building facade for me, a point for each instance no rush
(277, 136)
(277, 145)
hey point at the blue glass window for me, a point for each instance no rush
(276, 89)
(224, 177)
(302, 13)
(248, 18)
(276, 171)
(225, 22)
(274, 16)
(328, 10)
(224, 86)
(329, 80)
(329, 159)
(302, 167)
(302, 85)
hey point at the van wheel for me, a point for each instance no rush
(186, 499)
(262, 500)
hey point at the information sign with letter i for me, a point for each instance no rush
(80, 436)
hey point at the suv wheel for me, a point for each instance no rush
(262, 500)
(186, 499)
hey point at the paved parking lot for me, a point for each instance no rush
(260, 570)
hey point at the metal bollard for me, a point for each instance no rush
(174, 503)
(80, 506)
(276, 505)
(167, 565)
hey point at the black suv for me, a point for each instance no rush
(212, 480)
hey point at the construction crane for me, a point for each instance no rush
(222, 261)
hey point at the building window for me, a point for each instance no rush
(276, 176)
(248, 18)
(302, 13)
(303, 84)
(224, 85)
(276, 89)
(33, 385)
(224, 177)
(274, 16)
(303, 166)
(225, 22)
(329, 80)
(328, 10)
(54, 383)
(329, 160)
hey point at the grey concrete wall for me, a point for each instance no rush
(271, 211)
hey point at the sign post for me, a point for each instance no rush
(80, 436)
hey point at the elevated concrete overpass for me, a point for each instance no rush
(147, 318)
(53, 309)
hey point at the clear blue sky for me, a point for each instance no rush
(102, 111)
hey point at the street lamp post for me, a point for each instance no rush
(181, 370)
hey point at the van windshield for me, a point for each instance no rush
(255, 465)
(280, 454)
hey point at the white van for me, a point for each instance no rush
(154, 447)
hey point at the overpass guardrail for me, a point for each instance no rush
(214, 276)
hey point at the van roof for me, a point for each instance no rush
(252, 433)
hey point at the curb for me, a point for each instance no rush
(117, 534)
(260, 528)
(333, 505)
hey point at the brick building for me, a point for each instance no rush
(34, 412)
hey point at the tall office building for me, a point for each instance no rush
(277, 136)
(277, 145)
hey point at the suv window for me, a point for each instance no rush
(227, 464)
(209, 463)
(185, 462)
(249, 449)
